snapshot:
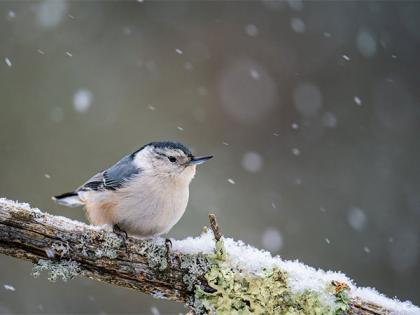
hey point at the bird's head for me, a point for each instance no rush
(168, 159)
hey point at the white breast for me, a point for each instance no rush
(151, 205)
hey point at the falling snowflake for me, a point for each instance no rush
(154, 310)
(252, 162)
(296, 151)
(9, 287)
(272, 240)
(8, 62)
(358, 101)
(297, 25)
(251, 30)
(231, 181)
(82, 100)
(254, 74)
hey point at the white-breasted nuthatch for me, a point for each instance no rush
(145, 193)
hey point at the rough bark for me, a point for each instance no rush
(141, 265)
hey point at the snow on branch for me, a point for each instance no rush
(212, 275)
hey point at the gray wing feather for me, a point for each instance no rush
(113, 177)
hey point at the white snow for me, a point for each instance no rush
(69, 54)
(179, 51)
(151, 107)
(9, 287)
(345, 57)
(272, 240)
(154, 310)
(50, 13)
(11, 14)
(254, 74)
(41, 52)
(180, 128)
(295, 126)
(251, 30)
(366, 43)
(356, 218)
(231, 181)
(300, 276)
(65, 223)
(8, 62)
(358, 101)
(297, 25)
(82, 100)
(296, 151)
(252, 162)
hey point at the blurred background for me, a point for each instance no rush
(310, 108)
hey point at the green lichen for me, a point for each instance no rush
(196, 266)
(65, 269)
(157, 255)
(239, 292)
(109, 246)
(268, 293)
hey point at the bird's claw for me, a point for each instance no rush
(121, 234)
(168, 245)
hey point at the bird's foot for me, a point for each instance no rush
(121, 234)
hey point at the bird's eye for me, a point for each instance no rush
(172, 159)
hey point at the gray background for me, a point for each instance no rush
(318, 103)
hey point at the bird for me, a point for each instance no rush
(144, 194)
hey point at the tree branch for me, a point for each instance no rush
(67, 248)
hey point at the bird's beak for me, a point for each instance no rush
(199, 160)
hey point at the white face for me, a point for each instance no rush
(165, 162)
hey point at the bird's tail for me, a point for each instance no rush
(70, 199)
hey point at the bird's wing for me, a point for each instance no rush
(113, 177)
